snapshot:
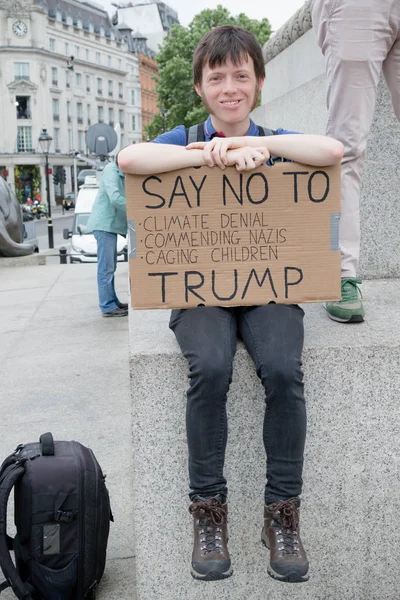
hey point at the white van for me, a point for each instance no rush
(83, 243)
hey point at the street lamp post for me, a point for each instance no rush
(45, 140)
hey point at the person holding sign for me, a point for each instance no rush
(228, 75)
(359, 40)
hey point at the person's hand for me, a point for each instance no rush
(247, 158)
(215, 151)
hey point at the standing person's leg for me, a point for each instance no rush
(106, 252)
(355, 38)
(391, 66)
(273, 335)
(207, 337)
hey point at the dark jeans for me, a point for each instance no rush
(273, 335)
(106, 266)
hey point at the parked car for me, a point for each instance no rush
(83, 247)
(69, 200)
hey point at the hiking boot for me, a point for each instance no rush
(116, 312)
(281, 534)
(350, 308)
(123, 305)
(210, 558)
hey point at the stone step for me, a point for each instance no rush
(351, 494)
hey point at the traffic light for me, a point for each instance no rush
(63, 176)
(55, 178)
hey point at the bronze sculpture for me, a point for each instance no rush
(11, 226)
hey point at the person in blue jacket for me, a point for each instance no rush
(228, 73)
(107, 221)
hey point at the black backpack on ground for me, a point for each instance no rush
(62, 517)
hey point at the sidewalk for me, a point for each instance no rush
(65, 370)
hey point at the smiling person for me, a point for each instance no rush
(228, 71)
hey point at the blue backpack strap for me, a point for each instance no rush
(195, 133)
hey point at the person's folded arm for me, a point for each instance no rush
(147, 158)
(316, 150)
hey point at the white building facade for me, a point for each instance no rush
(64, 68)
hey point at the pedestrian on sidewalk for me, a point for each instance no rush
(108, 220)
(360, 39)
(228, 72)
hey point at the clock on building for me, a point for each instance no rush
(20, 28)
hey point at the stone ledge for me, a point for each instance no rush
(22, 261)
(352, 459)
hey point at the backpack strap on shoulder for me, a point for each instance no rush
(195, 133)
(8, 479)
(264, 131)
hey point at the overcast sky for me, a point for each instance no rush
(277, 11)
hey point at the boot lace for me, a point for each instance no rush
(210, 515)
(288, 519)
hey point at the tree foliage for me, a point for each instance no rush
(176, 94)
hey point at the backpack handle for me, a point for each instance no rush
(9, 477)
(47, 442)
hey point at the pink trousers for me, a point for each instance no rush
(360, 39)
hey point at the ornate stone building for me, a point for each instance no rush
(63, 67)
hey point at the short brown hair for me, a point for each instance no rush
(225, 42)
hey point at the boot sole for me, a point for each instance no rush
(211, 576)
(289, 577)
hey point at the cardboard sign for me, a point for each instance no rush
(206, 236)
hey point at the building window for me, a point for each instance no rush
(68, 111)
(87, 54)
(54, 76)
(111, 116)
(89, 120)
(120, 91)
(79, 113)
(80, 141)
(98, 58)
(133, 123)
(24, 139)
(21, 70)
(52, 45)
(122, 140)
(78, 80)
(110, 88)
(119, 64)
(23, 106)
(57, 139)
(121, 118)
(133, 97)
(70, 142)
(77, 51)
(67, 79)
(108, 60)
(56, 109)
(66, 48)
(99, 86)
(88, 83)
(100, 113)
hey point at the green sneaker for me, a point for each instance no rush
(350, 308)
